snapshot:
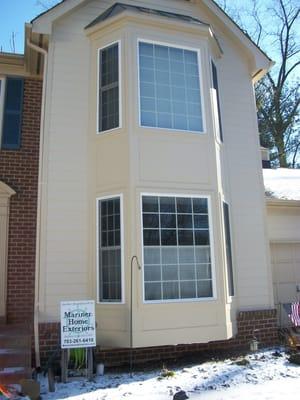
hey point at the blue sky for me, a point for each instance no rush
(14, 14)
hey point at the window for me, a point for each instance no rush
(11, 105)
(170, 88)
(2, 92)
(109, 93)
(110, 250)
(177, 251)
(216, 99)
(228, 249)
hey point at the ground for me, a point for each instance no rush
(266, 374)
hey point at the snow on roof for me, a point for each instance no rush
(282, 183)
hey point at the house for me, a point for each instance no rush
(134, 178)
(283, 222)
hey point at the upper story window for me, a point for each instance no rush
(170, 93)
(109, 88)
(11, 106)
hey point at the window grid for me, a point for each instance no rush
(199, 277)
(108, 88)
(109, 250)
(182, 101)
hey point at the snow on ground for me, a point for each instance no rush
(282, 183)
(268, 375)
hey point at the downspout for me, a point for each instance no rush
(38, 225)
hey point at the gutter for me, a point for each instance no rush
(43, 52)
(273, 202)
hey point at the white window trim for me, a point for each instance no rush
(2, 101)
(211, 236)
(178, 46)
(98, 199)
(98, 132)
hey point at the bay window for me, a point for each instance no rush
(169, 84)
(176, 248)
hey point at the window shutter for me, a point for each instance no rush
(12, 115)
(216, 87)
(228, 249)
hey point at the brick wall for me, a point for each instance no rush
(19, 170)
(262, 323)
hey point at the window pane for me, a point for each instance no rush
(170, 290)
(204, 288)
(152, 255)
(184, 205)
(188, 290)
(203, 271)
(185, 220)
(168, 220)
(109, 88)
(201, 221)
(152, 273)
(202, 238)
(169, 255)
(170, 272)
(153, 291)
(200, 206)
(151, 237)
(167, 204)
(150, 204)
(170, 77)
(150, 221)
(109, 251)
(168, 237)
(185, 238)
(177, 252)
(187, 272)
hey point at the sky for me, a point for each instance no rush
(13, 15)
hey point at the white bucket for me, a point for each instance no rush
(100, 369)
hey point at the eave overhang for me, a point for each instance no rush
(272, 202)
(157, 22)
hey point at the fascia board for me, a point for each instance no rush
(262, 61)
(43, 22)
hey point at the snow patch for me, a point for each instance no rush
(268, 375)
(282, 183)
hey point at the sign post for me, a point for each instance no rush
(78, 330)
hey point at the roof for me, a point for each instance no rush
(49, 9)
(118, 8)
(282, 183)
(191, 19)
(244, 32)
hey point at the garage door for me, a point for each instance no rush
(286, 271)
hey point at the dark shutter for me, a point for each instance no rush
(216, 87)
(12, 115)
(228, 249)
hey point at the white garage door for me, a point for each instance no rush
(286, 271)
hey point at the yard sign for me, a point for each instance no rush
(78, 327)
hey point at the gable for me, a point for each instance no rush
(43, 24)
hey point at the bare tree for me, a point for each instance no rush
(46, 4)
(274, 28)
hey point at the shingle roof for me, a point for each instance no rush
(118, 8)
